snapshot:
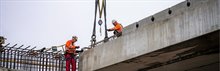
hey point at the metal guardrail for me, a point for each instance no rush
(28, 59)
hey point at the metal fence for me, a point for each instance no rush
(29, 59)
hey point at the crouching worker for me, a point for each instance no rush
(71, 53)
(117, 29)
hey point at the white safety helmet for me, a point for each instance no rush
(75, 37)
(113, 21)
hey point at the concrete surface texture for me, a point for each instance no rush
(197, 54)
(148, 35)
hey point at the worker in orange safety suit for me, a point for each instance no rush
(117, 29)
(70, 53)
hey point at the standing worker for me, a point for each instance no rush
(117, 29)
(70, 53)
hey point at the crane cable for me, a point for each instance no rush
(97, 4)
(100, 10)
(100, 15)
(93, 37)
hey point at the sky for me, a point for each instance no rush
(46, 23)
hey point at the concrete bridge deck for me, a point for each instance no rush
(185, 39)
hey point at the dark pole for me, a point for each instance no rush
(40, 63)
(106, 34)
(16, 55)
(9, 51)
(60, 64)
(4, 55)
(43, 62)
(94, 26)
(46, 62)
(1, 50)
(23, 57)
(56, 64)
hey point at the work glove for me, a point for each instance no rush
(78, 51)
(77, 47)
(108, 29)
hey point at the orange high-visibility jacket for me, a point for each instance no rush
(70, 47)
(118, 27)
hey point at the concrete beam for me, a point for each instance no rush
(196, 52)
(184, 23)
